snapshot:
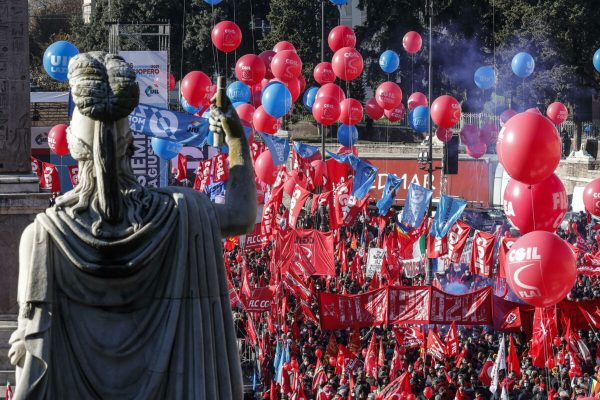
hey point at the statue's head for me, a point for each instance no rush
(105, 92)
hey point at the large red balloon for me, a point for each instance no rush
(267, 56)
(351, 111)
(417, 99)
(341, 36)
(331, 90)
(445, 111)
(283, 45)
(57, 139)
(294, 178)
(395, 114)
(530, 147)
(226, 36)
(294, 86)
(265, 169)
(250, 69)
(476, 150)
(444, 134)
(246, 112)
(506, 115)
(388, 95)
(427, 392)
(591, 197)
(539, 207)
(488, 133)
(286, 65)
(469, 135)
(302, 82)
(323, 73)
(196, 89)
(557, 113)
(171, 82)
(373, 110)
(265, 123)
(412, 42)
(347, 63)
(326, 110)
(541, 268)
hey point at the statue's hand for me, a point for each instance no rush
(224, 119)
(16, 353)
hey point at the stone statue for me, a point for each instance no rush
(122, 289)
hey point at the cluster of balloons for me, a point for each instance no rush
(535, 202)
(56, 59)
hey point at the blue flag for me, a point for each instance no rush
(448, 211)
(416, 204)
(364, 176)
(305, 150)
(389, 192)
(279, 147)
(277, 359)
(338, 157)
(166, 124)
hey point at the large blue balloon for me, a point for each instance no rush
(57, 57)
(389, 61)
(596, 60)
(420, 119)
(165, 149)
(309, 97)
(409, 119)
(347, 135)
(485, 77)
(276, 100)
(213, 2)
(339, 2)
(523, 64)
(238, 92)
(188, 107)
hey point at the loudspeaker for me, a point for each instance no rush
(451, 156)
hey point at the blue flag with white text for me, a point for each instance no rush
(415, 206)
(167, 124)
(364, 176)
(305, 150)
(279, 147)
(392, 184)
(448, 211)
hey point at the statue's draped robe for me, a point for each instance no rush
(146, 316)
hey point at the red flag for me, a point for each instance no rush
(346, 360)
(436, 247)
(435, 346)
(461, 356)
(8, 393)
(512, 361)
(505, 245)
(452, 341)
(457, 238)
(50, 179)
(409, 337)
(544, 330)
(512, 319)
(74, 174)
(220, 169)
(485, 376)
(375, 283)
(296, 286)
(337, 173)
(346, 207)
(205, 174)
(251, 330)
(256, 148)
(36, 167)
(381, 358)
(396, 388)
(180, 173)
(396, 362)
(299, 196)
(270, 211)
(371, 368)
(481, 255)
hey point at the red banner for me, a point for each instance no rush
(49, 178)
(261, 299)
(299, 196)
(311, 248)
(255, 239)
(457, 238)
(220, 169)
(339, 311)
(74, 174)
(408, 305)
(482, 254)
(473, 308)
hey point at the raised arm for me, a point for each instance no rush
(237, 216)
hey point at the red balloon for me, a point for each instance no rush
(283, 45)
(250, 69)
(427, 392)
(347, 63)
(341, 36)
(331, 90)
(488, 133)
(351, 111)
(294, 87)
(57, 139)
(323, 73)
(534, 110)
(591, 197)
(196, 89)
(171, 82)
(530, 147)
(469, 135)
(477, 150)
(302, 82)
(557, 113)
(318, 353)
(286, 65)
(411, 396)
(373, 110)
(412, 42)
(395, 114)
(326, 110)
(265, 169)
(226, 36)
(541, 268)
(444, 134)
(320, 167)
(539, 207)
(417, 99)
(506, 115)
(245, 112)
(267, 56)
(388, 95)
(256, 96)
(294, 178)
(557, 341)
(445, 111)
(265, 123)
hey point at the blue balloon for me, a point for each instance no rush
(238, 92)
(165, 149)
(276, 100)
(213, 2)
(347, 135)
(420, 119)
(596, 60)
(523, 64)
(389, 61)
(409, 119)
(188, 107)
(310, 95)
(339, 2)
(485, 77)
(57, 57)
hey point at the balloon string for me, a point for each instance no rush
(181, 57)
(214, 50)
(252, 26)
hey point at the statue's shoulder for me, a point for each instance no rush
(186, 192)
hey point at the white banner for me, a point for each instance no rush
(39, 137)
(374, 261)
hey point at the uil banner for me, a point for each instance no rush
(448, 211)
